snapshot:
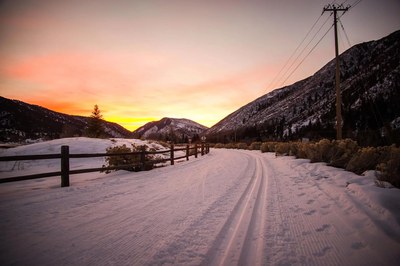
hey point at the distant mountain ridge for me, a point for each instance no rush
(370, 84)
(170, 129)
(20, 121)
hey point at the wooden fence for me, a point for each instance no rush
(65, 156)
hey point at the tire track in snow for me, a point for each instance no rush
(241, 239)
(192, 244)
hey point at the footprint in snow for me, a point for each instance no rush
(357, 245)
(310, 212)
(323, 228)
(322, 252)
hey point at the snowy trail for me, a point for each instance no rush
(241, 239)
(229, 207)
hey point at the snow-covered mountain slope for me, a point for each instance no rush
(370, 84)
(177, 129)
(20, 121)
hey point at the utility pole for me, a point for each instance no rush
(335, 8)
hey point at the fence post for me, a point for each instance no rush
(195, 150)
(202, 149)
(187, 152)
(64, 166)
(143, 158)
(172, 154)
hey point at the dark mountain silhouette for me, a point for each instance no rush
(20, 121)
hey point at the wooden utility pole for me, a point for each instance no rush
(335, 8)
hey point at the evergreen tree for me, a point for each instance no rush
(95, 127)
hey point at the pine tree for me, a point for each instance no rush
(95, 127)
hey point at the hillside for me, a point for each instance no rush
(170, 129)
(370, 83)
(20, 121)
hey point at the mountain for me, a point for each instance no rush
(170, 129)
(20, 121)
(370, 84)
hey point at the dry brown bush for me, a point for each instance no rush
(390, 170)
(365, 159)
(241, 145)
(255, 146)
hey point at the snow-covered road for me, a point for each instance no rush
(229, 207)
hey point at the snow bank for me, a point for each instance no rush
(76, 146)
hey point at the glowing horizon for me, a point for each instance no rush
(141, 61)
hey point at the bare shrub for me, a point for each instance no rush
(311, 152)
(326, 149)
(255, 146)
(241, 146)
(365, 159)
(298, 150)
(130, 162)
(230, 146)
(343, 151)
(390, 170)
(282, 148)
(268, 147)
(219, 146)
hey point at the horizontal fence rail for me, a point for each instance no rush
(65, 157)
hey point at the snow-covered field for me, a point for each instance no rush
(228, 207)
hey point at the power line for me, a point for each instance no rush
(345, 33)
(312, 49)
(302, 51)
(295, 51)
(355, 3)
(285, 69)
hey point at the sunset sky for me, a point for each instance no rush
(144, 60)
